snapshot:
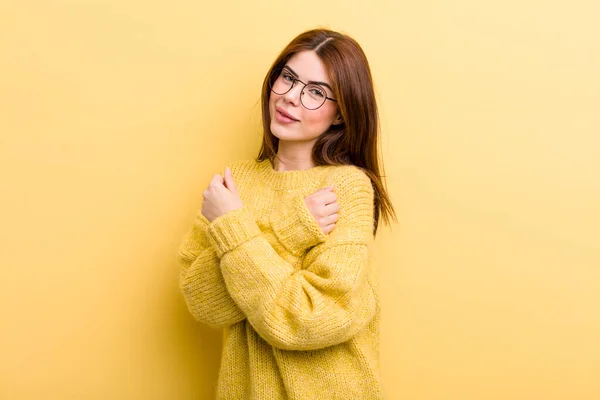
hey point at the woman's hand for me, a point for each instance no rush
(323, 206)
(221, 196)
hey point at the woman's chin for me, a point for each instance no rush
(282, 133)
(289, 135)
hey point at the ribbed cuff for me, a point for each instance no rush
(295, 226)
(232, 230)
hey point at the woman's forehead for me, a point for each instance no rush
(308, 66)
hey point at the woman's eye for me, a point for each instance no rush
(317, 92)
(287, 77)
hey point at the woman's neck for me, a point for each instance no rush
(293, 156)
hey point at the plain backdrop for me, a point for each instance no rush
(114, 114)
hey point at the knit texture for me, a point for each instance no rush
(299, 308)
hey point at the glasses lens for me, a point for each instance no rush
(313, 96)
(283, 83)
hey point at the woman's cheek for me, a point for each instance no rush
(321, 120)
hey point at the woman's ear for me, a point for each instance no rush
(338, 119)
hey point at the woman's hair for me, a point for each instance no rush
(355, 140)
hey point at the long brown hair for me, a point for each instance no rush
(354, 141)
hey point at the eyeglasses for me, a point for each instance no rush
(312, 95)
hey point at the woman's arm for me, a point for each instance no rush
(325, 303)
(295, 227)
(201, 281)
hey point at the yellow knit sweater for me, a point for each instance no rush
(300, 308)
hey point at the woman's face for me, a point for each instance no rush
(290, 120)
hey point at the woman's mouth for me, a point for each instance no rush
(283, 117)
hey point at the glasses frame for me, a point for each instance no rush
(278, 74)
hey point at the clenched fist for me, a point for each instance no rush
(323, 206)
(221, 196)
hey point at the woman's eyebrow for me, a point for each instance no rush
(315, 82)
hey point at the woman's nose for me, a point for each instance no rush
(293, 95)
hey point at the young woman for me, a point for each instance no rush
(279, 255)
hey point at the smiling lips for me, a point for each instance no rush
(283, 116)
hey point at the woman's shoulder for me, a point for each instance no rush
(244, 168)
(349, 176)
(243, 164)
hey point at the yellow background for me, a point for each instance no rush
(114, 115)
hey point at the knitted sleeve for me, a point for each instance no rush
(295, 226)
(325, 302)
(201, 281)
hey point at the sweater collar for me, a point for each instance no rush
(281, 180)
